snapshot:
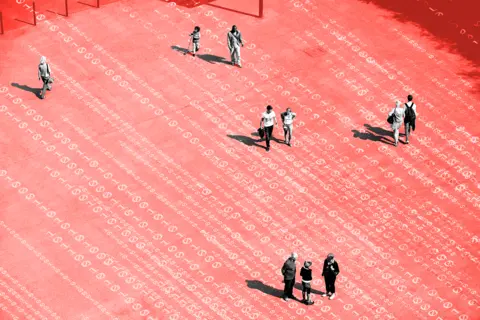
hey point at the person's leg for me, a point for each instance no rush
(239, 58)
(407, 131)
(332, 287)
(290, 131)
(396, 133)
(290, 288)
(285, 132)
(268, 136)
(44, 88)
(285, 289)
(232, 55)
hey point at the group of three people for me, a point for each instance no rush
(289, 272)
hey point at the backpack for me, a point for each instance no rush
(409, 113)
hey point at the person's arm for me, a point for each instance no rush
(48, 70)
(240, 38)
(324, 267)
(229, 44)
(414, 107)
(392, 112)
(275, 118)
(293, 115)
(39, 73)
(261, 121)
(337, 269)
(284, 268)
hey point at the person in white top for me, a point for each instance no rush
(287, 119)
(410, 116)
(398, 115)
(267, 121)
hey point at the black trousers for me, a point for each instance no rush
(288, 290)
(46, 86)
(268, 135)
(330, 283)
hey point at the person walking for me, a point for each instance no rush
(287, 119)
(330, 273)
(267, 121)
(234, 41)
(410, 117)
(289, 270)
(306, 274)
(195, 39)
(396, 116)
(45, 74)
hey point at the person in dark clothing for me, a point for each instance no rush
(330, 272)
(410, 117)
(306, 274)
(289, 270)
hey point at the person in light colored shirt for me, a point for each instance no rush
(399, 114)
(410, 116)
(44, 74)
(287, 119)
(268, 119)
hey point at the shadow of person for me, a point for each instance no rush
(35, 91)
(246, 140)
(299, 286)
(179, 49)
(374, 134)
(260, 286)
(378, 131)
(212, 58)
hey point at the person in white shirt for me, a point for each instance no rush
(267, 121)
(410, 116)
(287, 119)
(398, 115)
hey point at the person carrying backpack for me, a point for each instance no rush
(410, 117)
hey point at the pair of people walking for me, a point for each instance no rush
(289, 271)
(267, 121)
(407, 115)
(234, 41)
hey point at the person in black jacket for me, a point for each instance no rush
(289, 270)
(306, 274)
(330, 272)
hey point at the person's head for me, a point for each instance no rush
(307, 264)
(43, 60)
(269, 108)
(410, 97)
(330, 257)
(234, 28)
(289, 110)
(197, 29)
(294, 256)
(397, 103)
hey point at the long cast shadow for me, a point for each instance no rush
(260, 286)
(274, 292)
(35, 91)
(249, 141)
(210, 58)
(374, 134)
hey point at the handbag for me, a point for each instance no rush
(391, 119)
(261, 132)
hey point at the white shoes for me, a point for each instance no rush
(332, 296)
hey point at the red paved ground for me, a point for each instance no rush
(137, 191)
